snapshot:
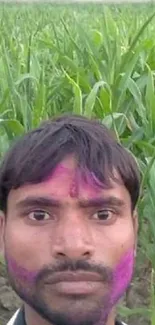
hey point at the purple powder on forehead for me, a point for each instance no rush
(80, 178)
(85, 180)
(96, 182)
(74, 189)
(58, 171)
(88, 181)
(93, 181)
(20, 272)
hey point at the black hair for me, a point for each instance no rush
(33, 157)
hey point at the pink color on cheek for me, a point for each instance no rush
(21, 273)
(122, 276)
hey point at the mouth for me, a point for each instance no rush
(73, 277)
(79, 283)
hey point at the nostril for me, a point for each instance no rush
(61, 254)
(73, 254)
(87, 254)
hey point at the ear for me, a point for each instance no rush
(135, 227)
(2, 227)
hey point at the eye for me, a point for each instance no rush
(104, 215)
(39, 215)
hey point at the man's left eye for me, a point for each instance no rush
(103, 215)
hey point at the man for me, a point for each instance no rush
(68, 225)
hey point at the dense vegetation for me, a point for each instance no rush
(95, 60)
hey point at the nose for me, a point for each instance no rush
(73, 240)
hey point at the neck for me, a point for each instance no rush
(33, 318)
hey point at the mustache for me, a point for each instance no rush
(105, 272)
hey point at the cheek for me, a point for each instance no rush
(26, 246)
(122, 276)
(23, 254)
(113, 241)
(20, 273)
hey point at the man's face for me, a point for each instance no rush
(69, 246)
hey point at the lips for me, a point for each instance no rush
(73, 277)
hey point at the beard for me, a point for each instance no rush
(71, 309)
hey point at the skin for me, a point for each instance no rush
(68, 232)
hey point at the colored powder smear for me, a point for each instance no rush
(122, 276)
(28, 277)
(79, 177)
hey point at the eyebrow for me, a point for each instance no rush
(41, 202)
(103, 201)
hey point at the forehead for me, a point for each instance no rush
(66, 183)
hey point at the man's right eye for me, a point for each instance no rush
(39, 215)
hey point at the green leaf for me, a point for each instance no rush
(90, 100)
(77, 109)
(12, 127)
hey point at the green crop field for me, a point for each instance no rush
(96, 60)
